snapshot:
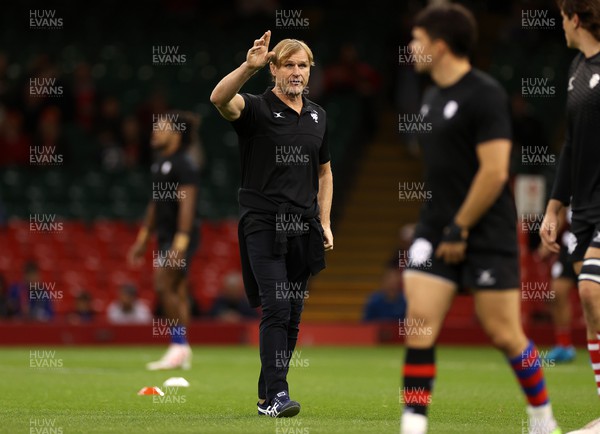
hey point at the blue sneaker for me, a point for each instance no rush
(560, 354)
(263, 409)
(281, 406)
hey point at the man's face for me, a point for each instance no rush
(292, 76)
(32, 276)
(570, 26)
(424, 49)
(126, 300)
(162, 135)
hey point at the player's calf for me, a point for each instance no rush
(589, 292)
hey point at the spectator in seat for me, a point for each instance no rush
(128, 309)
(31, 298)
(387, 303)
(84, 311)
(232, 305)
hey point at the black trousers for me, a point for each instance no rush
(282, 281)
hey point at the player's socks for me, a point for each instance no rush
(419, 373)
(528, 369)
(563, 337)
(594, 350)
(178, 335)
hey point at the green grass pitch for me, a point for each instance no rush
(342, 390)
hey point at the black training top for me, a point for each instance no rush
(168, 174)
(462, 116)
(281, 150)
(578, 176)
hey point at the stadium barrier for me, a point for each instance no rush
(218, 333)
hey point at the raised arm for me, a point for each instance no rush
(225, 96)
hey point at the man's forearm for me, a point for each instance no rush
(187, 209)
(231, 84)
(325, 198)
(484, 191)
(148, 223)
(561, 190)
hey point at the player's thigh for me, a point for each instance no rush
(589, 278)
(428, 299)
(428, 296)
(498, 308)
(167, 279)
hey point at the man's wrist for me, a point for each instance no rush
(181, 241)
(249, 70)
(554, 206)
(143, 235)
(454, 233)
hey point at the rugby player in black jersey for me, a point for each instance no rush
(173, 215)
(577, 179)
(466, 236)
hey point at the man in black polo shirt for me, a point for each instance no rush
(173, 215)
(466, 236)
(285, 201)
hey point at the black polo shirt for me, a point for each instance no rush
(281, 150)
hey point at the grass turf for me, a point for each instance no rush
(342, 390)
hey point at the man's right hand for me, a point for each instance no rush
(549, 226)
(259, 55)
(135, 256)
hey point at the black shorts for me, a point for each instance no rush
(479, 270)
(163, 259)
(585, 225)
(562, 268)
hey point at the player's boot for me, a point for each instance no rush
(283, 406)
(413, 423)
(560, 354)
(541, 420)
(177, 356)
